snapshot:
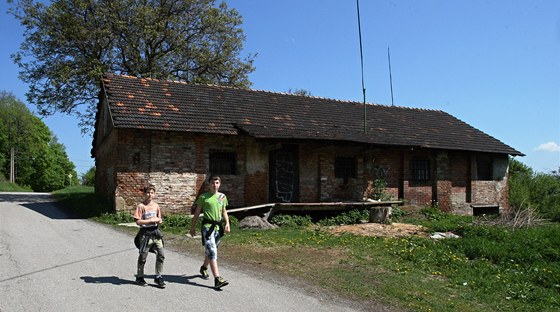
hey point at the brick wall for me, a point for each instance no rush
(418, 193)
(309, 179)
(491, 192)
(256, 174)
(460, 182)
(177, 164)
(164, 159)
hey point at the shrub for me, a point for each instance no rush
(538, 191)
(177, 221)
(115, 217)
(397, 213)
(286, 220)
(545, 195)
(349, 217)
(380, 190)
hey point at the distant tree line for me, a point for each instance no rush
(39, 161)
(88, 178)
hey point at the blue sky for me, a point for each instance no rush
(492, 64)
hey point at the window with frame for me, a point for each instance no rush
(222, 162)
(420, 170)
(345, 167)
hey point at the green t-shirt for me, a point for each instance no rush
(211, 205)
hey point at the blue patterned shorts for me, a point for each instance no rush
(211, 244)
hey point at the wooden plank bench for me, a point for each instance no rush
(376, 208)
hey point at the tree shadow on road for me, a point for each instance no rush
(51, 210)
(42, 203)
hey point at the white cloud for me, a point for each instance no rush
(548, 147)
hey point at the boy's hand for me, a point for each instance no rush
(155, 220)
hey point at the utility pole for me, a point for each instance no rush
(12, 166)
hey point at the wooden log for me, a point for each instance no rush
(380, 214)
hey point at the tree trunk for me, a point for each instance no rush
(380, 215)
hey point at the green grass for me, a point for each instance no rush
(81, 201)
(12, 187)
(488, 268)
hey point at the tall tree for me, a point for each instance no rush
(16, 133)
(40, 161)
(70, 43)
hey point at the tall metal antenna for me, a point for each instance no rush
(362, 62)
(390, 75)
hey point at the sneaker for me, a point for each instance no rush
(159, 282)
(140, 281)
(220, 282)
(204, 272)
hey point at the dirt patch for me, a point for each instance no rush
(381, 230)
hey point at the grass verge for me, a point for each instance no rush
(6, 186)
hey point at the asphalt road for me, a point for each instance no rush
(51, 262)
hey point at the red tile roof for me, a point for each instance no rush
(175, 106)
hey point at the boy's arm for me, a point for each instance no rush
(226, 218)
(194, 219)
(138, 214)
(159, 215)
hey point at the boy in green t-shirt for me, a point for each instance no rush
(213, 206)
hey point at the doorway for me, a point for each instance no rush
(284, 175)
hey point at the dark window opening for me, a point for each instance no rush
(222, 162)
(484, 170)
(345, 168)
(420, 170)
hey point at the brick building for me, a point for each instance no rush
(274, 147)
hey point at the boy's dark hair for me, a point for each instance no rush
(214, 177)
(148, 188)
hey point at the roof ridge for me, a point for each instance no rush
(281, 93)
